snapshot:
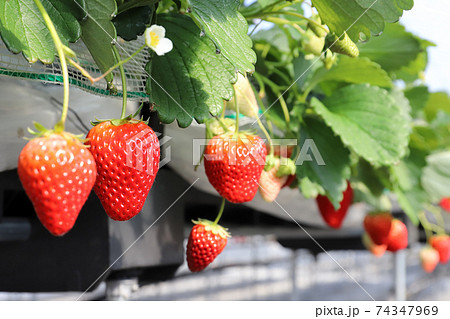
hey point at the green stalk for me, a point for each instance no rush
(269, 140)
(59, 127)
(124, 83)
(236, 106)
(219, 215)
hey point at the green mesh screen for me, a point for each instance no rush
(16, 65)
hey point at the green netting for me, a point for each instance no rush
(15, 65)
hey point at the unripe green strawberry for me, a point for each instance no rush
(442, 244)
(320, 32)
(127, 158)
(429, 258)
(342, 45)
(57, 172)
(233, 164)
(311, 43)
(206, 241)
(398, 236)
(378, 226)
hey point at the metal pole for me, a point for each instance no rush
(294, 256)
(400, 275)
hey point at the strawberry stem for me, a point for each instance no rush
(236, 107)
(219, 215)
(59, 127)
(269, 140)
(124, 83)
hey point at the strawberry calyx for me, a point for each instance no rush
(130, 119)
(217, 126)
(270, 162)
(42, 131)
(213, 227)
(287, 168)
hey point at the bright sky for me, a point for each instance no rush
(430, 19)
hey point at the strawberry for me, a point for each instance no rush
(429, 258)
(378, 226)
(330, 215)
(442, 244)
(57, 172)
(270, 184)
(377, 250)
(398, 236)
(342, 44)
(445, 204)
(233, 164)
(206, 241)
(127, 156)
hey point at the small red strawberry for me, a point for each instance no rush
(378, 226)
(398, 236)
(127, 156)
(445, 204)
(270, 184)
(442, 244)
(330, 215)
(429, 258)
(233, 164)
(57, 172)
(377, 250)
(206, 241)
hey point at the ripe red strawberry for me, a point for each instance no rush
(206, 241)
(429, 258)
(330, 215)
(127, 158)
(377, 250)
(57, 172)
(445, 204)
(270, 184)
(233, 164)
(378, 226)
(442, 244)
(398, 236)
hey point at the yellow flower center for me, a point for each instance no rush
(154, 39)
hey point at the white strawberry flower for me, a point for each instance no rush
(155, 39)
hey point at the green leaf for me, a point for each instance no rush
(303, 70)
(438, 101)
(436, 176)
(418, 97)
(360, 16)
(221, 21)
(393, 50)
(353, 70)
(368, 121)
(99, 33)
(23, 29)
(192, 80)
(370, 176)
(361, 193)
(405, 178)
(333, 172)
(131, 23)
(412, 202)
